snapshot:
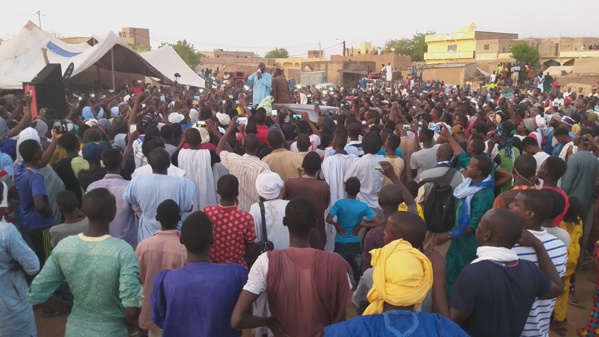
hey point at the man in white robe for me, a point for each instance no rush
(198, 165)
(334, 169)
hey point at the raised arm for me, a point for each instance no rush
(312, 126)
(25, 121)
(387, 170)
(47, 156)
(223, 143)
(457, 149)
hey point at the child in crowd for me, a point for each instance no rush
(75, 222)
(393, 156)
(349, 213)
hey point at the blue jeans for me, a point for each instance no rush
(351, 252)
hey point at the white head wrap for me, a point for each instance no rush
(268, 185)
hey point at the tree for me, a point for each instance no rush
(525, 53)
(277, 53)
(414, 47)
(187, 52)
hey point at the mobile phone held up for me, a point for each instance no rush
(296, 117)
(242, 121)
(436, 127)
(377, 167)
(274, 113)
(60, 126)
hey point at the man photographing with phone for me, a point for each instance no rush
(262, 82)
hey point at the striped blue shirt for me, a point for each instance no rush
(539, 317)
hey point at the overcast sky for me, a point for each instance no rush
(262, 25)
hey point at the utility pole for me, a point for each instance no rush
(39, 18)
(343, 48)
(319, 49)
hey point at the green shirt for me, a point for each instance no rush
(462, 250)
(103, 275)
(507, 163)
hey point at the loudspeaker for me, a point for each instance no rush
(47, 95)
(239, 75)
(47, 91)
(52, 72)
(239, 83)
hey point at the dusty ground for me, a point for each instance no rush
(576, 316)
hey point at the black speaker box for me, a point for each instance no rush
(51, 73)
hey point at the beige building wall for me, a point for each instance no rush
(139, 36)
(456, 74)
(220, 53)
(398, 62)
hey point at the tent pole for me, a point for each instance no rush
(112, 63)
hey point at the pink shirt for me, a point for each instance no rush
(159, 252)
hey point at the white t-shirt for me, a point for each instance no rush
(314, 143)
(371, 180)
(540, 314)
(423, 159)
(172, 171)
(540, 157)
(559, 233)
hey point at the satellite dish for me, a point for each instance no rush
(69, 71)
(392, 49)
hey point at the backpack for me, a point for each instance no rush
(439, 205)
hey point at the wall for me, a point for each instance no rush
(141, 36)
(219, 53)
(397, 61)
(365, 47)
(315, 54)
(293, 62)
(580, 54)
(586, 66)
(313, 77)
(225, 61)
(448, 75)
(438, 51)
(293, 73)
(451, 74)
(479, 35)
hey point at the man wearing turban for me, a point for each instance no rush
(402, 277)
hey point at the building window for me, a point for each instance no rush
(452, 48)
(486, 47)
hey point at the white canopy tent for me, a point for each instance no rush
(169, 62)
(21, 57)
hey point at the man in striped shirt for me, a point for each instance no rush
(532, 207)
(246, 168)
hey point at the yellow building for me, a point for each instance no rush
(467, 45)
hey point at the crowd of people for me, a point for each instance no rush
(180, 212)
